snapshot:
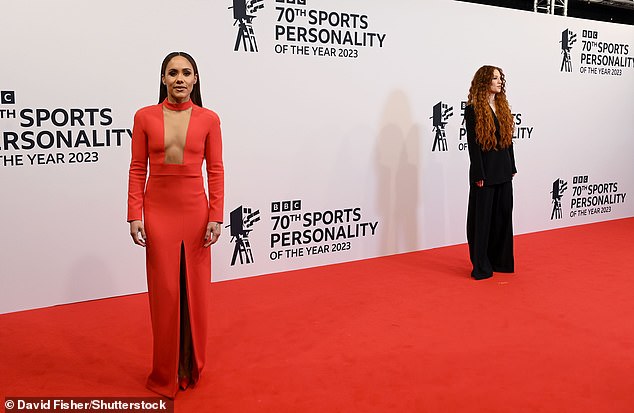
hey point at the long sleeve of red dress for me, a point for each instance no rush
(138, 169)
(215, 172)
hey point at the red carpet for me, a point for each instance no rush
(406, 333)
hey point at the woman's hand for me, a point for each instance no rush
(137, 232)
(213, 233)
(480, 183)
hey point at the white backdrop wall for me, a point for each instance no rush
(350, 133)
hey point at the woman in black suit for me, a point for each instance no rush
(490, 125)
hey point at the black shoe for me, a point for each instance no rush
(481, 277)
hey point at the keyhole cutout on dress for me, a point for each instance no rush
(176, 123)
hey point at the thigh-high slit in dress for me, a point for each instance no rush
(175, 209)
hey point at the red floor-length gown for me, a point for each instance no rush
(175, 210)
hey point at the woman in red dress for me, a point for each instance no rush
(170, 216)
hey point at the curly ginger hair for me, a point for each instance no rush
(479, 98)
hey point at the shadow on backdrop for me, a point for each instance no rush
(397, 165)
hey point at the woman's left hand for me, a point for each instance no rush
(213, 233)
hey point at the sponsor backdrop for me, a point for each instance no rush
(342, 123)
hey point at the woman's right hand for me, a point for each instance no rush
(137, 232)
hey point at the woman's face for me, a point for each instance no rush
(496, 82)
(179, 77)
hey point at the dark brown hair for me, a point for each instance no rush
(195, 95)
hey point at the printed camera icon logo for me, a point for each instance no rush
(441, 114)
(568, 38)
(244, 11)
(559, 187)
(241, 224)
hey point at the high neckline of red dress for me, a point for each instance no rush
(178, 106)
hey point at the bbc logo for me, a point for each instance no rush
(286, 206)
(7, 97)
(298, 2)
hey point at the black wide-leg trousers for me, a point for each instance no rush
(490, 229)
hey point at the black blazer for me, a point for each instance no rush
(494, 166)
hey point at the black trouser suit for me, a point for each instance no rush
(490, 229)
(490, 208)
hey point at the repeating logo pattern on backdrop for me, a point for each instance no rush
(596, 54)
(441, 114)
(243, 14)
(301, 30)
(296, 233)
(37, 136)
(587, 197)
